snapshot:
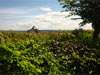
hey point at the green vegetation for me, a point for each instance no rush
(49, 53)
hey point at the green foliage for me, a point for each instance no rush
(54, 53)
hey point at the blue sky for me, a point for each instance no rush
(29, 4)
(23, 14)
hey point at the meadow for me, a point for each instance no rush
(49, 53)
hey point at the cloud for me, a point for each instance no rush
(11, 11)
(45, 9)
(49, 20)
(17, 26)
(18, 11)
(23, 11)
(58, 21)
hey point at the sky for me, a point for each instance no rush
(44, 14)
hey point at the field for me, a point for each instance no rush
(49, 53)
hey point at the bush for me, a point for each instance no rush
(55, 53)
(76, 58)
(31, 58)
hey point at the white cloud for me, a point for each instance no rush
(57, 21)
(11, 11)
(20, 11)
(17, 11)
(45, 9)
(50, 20)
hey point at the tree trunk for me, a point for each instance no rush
(96, 27)
(95, 34)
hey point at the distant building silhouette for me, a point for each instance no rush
(33, 29)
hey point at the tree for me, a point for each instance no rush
(89, 10)
(33, 29)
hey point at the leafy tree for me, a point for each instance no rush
(89, 10)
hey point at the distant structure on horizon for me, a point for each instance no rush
(33, 29)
